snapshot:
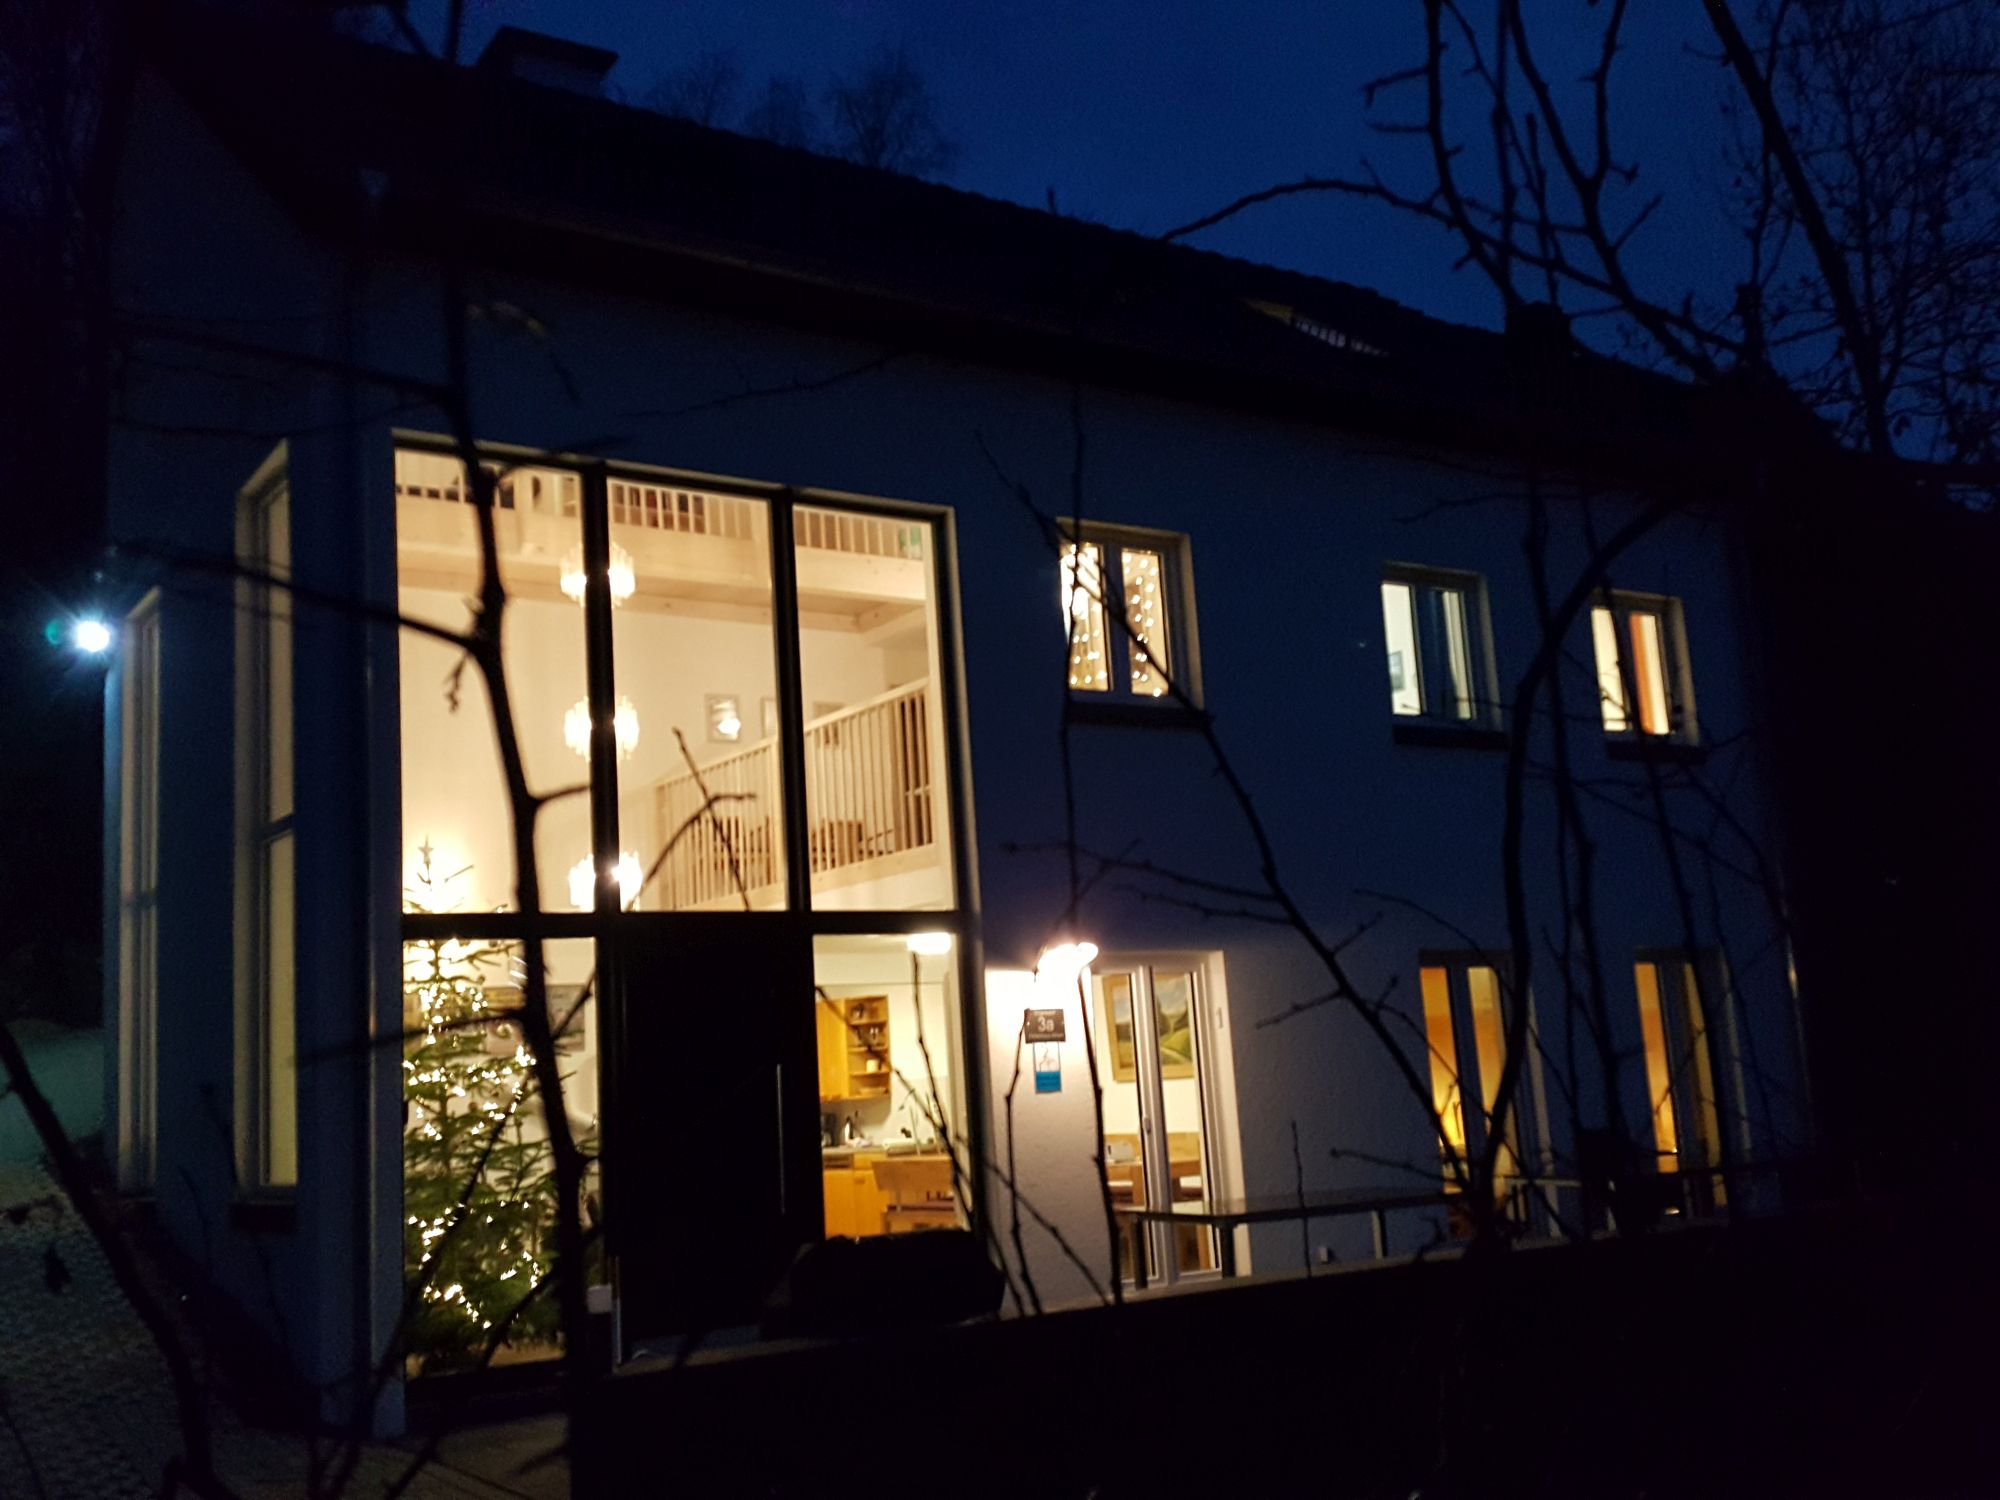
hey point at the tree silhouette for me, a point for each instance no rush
(882, 115)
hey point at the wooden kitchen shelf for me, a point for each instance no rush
(853, 1047)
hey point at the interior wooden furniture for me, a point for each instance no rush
(871, 1192)
(1125, 1172)
(919, 1192)
(854, 1201)
(853, 1047)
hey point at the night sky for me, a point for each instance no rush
(1144, 115)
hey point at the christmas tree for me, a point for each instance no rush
(479, 1193)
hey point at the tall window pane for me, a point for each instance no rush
(1146, 611)
(266, 1040)
(1659, 1071)
(138, 894)
(886, 1016)
(1399, 630)
(695, 717)
(1649, 672)
(1489, 1036)
(479, 1193)
(1083, 593)
(1456, 695)
(455, 812)
(1610, 675)
(876, 771)
(279, 1067)
(1441, 1039)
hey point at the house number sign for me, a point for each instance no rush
(1044, 1026)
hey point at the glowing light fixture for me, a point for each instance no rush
(725, 722)
(929, 944)
(583, 881)
(623, 578)
(90, 636)
(624, 725)
(1062, 963)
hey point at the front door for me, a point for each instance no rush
(1153, 1071)
(711, 1141)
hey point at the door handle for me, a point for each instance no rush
(778, 1072)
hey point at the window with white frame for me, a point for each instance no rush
(1465, 1033)
(1687, 1032)
(1435, 638)
(138, 892)
(266, 1042)
(1640, 649)
(1124, 604)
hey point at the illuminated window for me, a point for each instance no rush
(1122, 599)
(266, 1069)
(1685, 1032)
(1465, 1032)
(1434, 637)
(138, 892)
(1641, 656)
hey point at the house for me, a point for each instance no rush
(818, 696)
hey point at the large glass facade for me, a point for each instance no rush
(743, 750)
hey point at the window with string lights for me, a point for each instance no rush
(1127, 606)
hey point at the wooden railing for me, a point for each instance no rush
(661, 507)
(868, 779)
(666, 507)
(862, 535)
(868, 796)
(728, 849)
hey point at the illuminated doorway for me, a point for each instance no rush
(1153, 1023)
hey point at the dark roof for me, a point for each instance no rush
(512, 47)
(355, 137)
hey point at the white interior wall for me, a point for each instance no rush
(846, 967)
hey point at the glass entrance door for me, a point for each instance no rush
(1151, 1065)
(711, 1148)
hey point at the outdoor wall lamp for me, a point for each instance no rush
(86, 634)
(1063, 963)
(928, 944)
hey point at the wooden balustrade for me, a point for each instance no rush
(868, 796)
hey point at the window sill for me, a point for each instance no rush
(1448, 736)
(265, 1215)
(1657, 751)
(1132, 713)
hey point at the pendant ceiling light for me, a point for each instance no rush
(623, 579)
(624, 725)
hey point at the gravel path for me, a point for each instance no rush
(86, 1409)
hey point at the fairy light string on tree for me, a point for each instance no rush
(472, 1148)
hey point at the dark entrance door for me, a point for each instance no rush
(711, 1145)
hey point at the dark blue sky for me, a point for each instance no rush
(1144, 114)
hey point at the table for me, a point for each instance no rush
(1226, 1214)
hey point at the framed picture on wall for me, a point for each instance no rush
(1115, 993)
(1173, 1023)
(563, 998)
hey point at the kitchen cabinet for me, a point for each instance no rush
(853, 1047)
(854, 1203)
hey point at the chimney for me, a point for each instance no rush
(548, 60)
